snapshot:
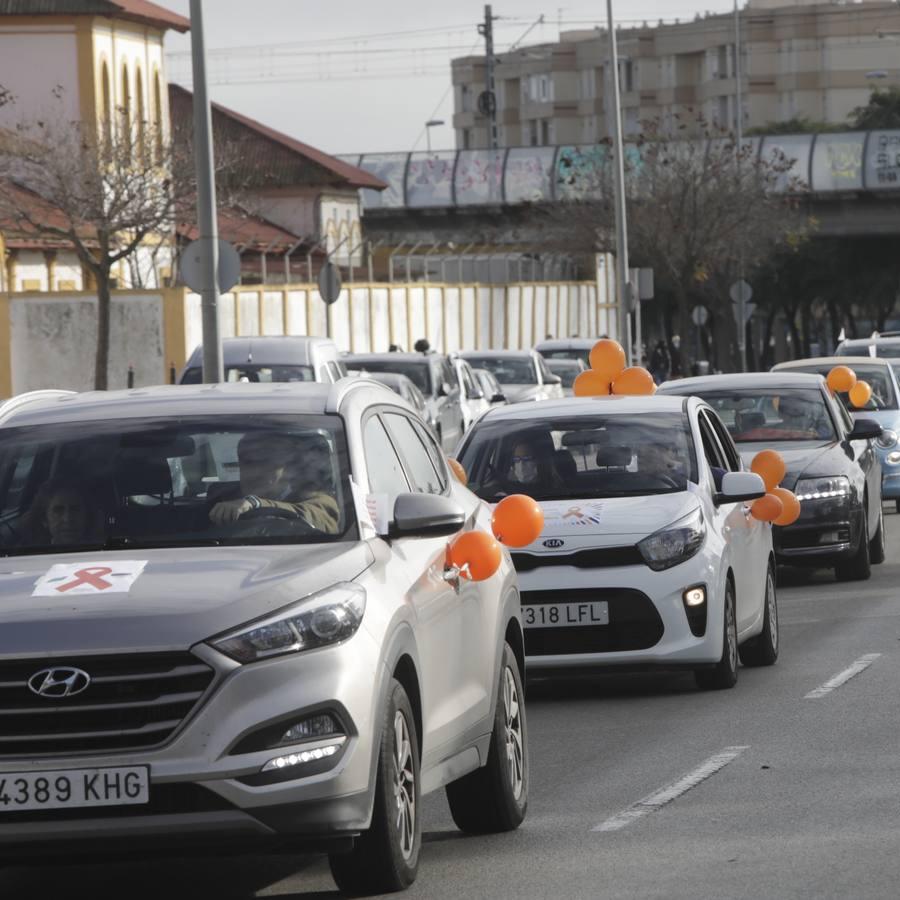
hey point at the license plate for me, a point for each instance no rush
(565, 615)
(74, 788)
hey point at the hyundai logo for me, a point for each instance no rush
(554, 543)
(56, 683)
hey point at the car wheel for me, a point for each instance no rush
(725, 673)
(876, 545)
(385, 858)
(859, 567)
(494, 798)
(763, 649)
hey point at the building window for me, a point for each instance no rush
(142, 148)
(125, 111)
(465, 98)
(546, 136)
(105, 87)
(533, 134)
(157, 117)
(467, 139)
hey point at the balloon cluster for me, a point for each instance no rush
(843, 380)
(517, 522)
(780, 506)
(608, 374)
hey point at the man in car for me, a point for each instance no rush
(281, 472)
(800, 416)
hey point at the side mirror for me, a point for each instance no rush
(740, 486)
(444, 389)
(865, 430)
(498, 398)
(425, 515)
(475, 395)
(552, 379)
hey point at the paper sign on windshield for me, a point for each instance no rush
(70, 579)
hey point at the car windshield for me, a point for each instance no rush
(506, 369)
(583, 355)
(882, 351)
(878, 377)
(566, 373)
(419, 373)
(263, 374)
(171, 482)
(583, 457)
(786, 414)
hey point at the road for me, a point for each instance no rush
(642, 786)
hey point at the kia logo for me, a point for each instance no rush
(554, 543)
(56, 683)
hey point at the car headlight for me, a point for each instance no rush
(835, 487)
(887, 440)
(674, 544)
(328, 617)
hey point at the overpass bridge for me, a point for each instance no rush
(494, 198)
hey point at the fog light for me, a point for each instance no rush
(894, 457)
(321, 725)
(298, 759)
(695, 596)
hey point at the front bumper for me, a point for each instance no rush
(826, 533)
(202, 792)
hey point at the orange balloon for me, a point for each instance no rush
(457, 469)
(634, 382)
(769, 465)
(476, 554)
(591, 384)
(860, 394)
(841, 379)
(767, 509)
(608, 358)
(518, 521)
(791, 504)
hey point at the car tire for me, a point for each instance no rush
(724, 674)
(763, 649)
(876, 545)
(859, 566)
(494, 798)
(385, 858)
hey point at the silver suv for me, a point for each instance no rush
(226, 616)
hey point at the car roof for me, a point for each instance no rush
(350, 358)
(262, 351)
(564, 363)
(869, 341)
(497, 354)
(566, 344)
(826, 361)
(741, 381)
(167, 401)
(576, 406)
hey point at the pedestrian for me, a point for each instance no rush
(660, 362)
(676, 369)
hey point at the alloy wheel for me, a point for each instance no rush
(732, 636)
(515, 753)
(773, 609)
(404, 786)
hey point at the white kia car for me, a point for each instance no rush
(649, 554)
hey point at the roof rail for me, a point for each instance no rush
(340, 389)
(10, 407)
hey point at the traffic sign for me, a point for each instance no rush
(190, 265)
(329, 283)
(741, 292)
(700, 316)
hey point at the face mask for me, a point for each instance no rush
(525, 471)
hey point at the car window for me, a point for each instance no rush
(437, 457)
(421, 470)
(545, 372)
(447, 373)
(468, 384)
(772, 414)
(385, 470)
(254, 374)
(418, 371)
(878, 377)
(506, 369)
(732, 457)
(711, 449)
(335, 371)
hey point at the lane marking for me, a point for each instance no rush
(851, 671)
(666, 795)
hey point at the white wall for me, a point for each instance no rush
(53, 341)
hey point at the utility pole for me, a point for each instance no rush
(487, 103)
(622, 270)
(739, 135)
(206, 203)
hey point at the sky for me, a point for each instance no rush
(351, 76)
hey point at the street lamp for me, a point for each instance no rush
(431, 123)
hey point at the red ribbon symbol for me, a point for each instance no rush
(93, 576)
(575, 512)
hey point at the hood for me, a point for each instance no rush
(518, 393)
(612, 522)
(182, 596)
(802, 459)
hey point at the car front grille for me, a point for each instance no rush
(599, 558)
(133, 702)
(634, 623)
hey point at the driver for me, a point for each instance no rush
(283, 473)
(661, 461)
(799, 414)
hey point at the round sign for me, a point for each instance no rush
(329, 283)
(740, 290)
(700, 316)
(190, 265)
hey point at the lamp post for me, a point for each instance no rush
(431, 123)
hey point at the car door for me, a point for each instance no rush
(756, 535)
(731, 524)
(455, 628)
(866, 458)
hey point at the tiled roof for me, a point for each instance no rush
(135, 10)
(269, 156)
(246, 231)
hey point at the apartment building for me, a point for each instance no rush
(801, 59)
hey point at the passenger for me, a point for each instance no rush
(62, 515)
(284, 473)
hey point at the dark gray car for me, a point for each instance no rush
(227, 620)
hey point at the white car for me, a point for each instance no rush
(649, 554)
(523, 373)
(471, 394)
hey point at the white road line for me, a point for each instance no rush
(852, 671)
(666, 795)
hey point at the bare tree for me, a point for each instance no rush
(698, 210)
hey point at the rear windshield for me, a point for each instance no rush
(883, 351)
(507, 370)
(585, 457)
(419, 373)
(254, 374)
(773, 415)
(567, 374)
(174, 482)
(583, 355)
(883, 396)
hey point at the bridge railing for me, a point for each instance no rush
(822, 163)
